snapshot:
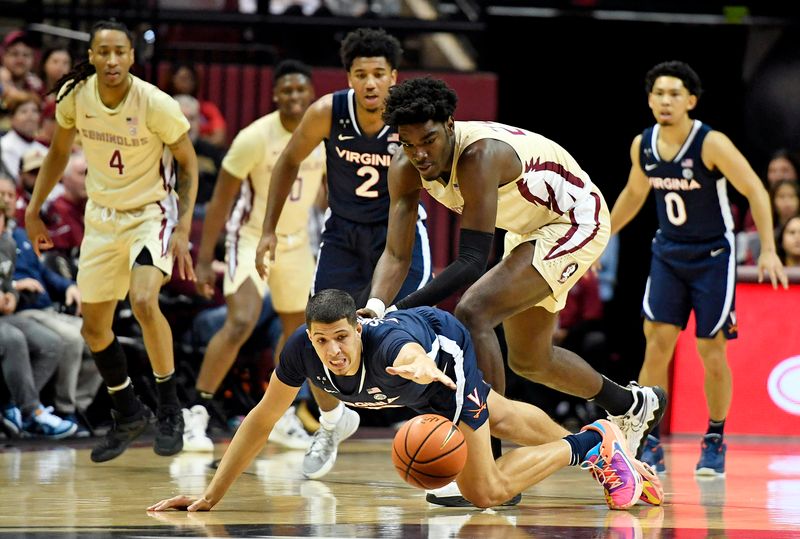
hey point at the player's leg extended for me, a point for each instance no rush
(244, 307)
(486, 482)
(146, 281)
(661, 339)
(718, 378)
(521, 423)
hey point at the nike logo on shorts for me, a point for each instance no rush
(717, 252)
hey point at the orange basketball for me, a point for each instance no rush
(429, 451)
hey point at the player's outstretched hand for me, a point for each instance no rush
(422, 374)
(179, 250)
(769, 264)
(37, 233)
(182, 502)
(266, 248)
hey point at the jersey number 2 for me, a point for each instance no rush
(116, 161)
(373, 176)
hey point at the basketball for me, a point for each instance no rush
(429, 451)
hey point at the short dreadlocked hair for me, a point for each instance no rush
(416, 101)
(370, 43)
(679, 70)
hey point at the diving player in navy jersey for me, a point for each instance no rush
(693, 265)
(423, 358)
(359, 147)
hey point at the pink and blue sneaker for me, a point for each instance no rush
(613, 467)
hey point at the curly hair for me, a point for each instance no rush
(83, 70)
(679, 70)
(419, 100)
(370, 43)
(290, 67)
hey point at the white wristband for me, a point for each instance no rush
(376, 306)
(390, 309)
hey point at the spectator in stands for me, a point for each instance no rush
(788, 242)
(16, 73)
(65, 215)
(55, 63)
(785, 197)
(28, 169)
(783, 165)
(209, 156)
(25, 116)
(184, 80)
(77, 379)
(29, 356)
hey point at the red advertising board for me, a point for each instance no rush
(764, 359)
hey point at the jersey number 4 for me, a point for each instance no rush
(116, 162)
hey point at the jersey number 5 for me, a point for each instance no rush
(116, 161)
(373, 176)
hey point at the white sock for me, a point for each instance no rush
(328, 420)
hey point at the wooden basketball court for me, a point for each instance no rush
(54, 490)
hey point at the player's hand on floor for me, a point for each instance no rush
(422, 374)
(265, 253)
(770, 265)
(182, 502)
(179, 250)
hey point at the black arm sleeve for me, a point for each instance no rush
(473, 254)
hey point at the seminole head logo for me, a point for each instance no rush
(567, 272)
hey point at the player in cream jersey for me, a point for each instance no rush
(557, 225)
(137, 218)
(246, 172)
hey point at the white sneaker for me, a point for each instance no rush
(195, 422)
(289, 431)
(636, 426)
(321, 455)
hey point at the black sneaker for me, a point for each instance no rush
(122, 433)
(169, 438)
(450, 496)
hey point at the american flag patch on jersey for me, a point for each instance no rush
(687, 163)
(373, 390)
(393, 137)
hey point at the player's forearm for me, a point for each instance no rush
(762, 216)
(625, 209)
(48, 177)
(388, 276)
(187, 192)
(283, 175)
(248, 442)
(216, 214)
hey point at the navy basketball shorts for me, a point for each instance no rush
(349, 252)
(699, 276)
(468, 403)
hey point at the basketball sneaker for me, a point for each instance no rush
(195, 420)
(450, 496)
(44, 423)
(712, 456)
(612, 466)
(12, 421)
(649, 405)
(289, 431)
(652, 491)
(124, 431)
(653, 454)
(169, 436)
(321, 454)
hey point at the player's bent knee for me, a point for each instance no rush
(470, 315)
(237, 329)
(144, 304)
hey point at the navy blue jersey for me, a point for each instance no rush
(358, 165)
(692, 201)
(444, 339)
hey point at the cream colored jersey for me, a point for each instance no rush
(129, 163)
(551, 188)
(251, 158)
